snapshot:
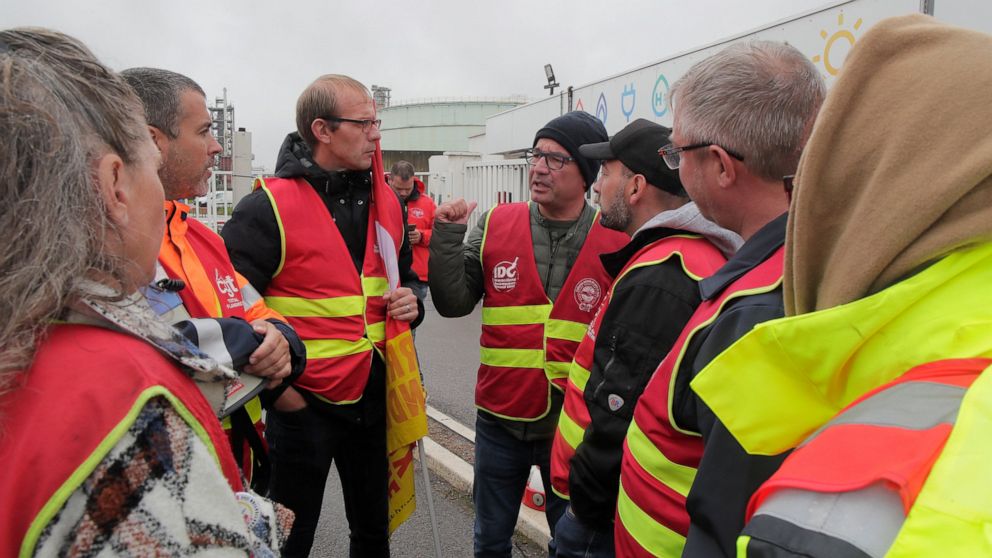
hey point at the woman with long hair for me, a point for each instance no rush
(106, 442)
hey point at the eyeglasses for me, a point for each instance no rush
(673, 159)
(366, 124)
(553, 160)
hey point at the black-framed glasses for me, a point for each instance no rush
(673, 158)
(366, 124)
(553, 160)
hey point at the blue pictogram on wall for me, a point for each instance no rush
(601, 108)
(659, 96)
(629, 96)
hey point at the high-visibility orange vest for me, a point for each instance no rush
(526, 341)
(659, 457)
(212, 289)
(699, 259)
(194, 253)
(854, 483)
(84, 390)
(339, 314)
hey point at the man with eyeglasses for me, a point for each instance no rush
(732, 142)
(655, 292)
(536, 268)
(294, 238)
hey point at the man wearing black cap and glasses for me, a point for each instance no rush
(655, 292)
(536, 267)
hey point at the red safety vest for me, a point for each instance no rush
(525, 339)
(699, 259)
(660, 458)
(83, 391)
(339, 314)
(420, 213)
(868, 463)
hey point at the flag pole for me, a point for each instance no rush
(430, 497)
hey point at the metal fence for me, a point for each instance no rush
(487, 182)
(494, 182)
(215, 208)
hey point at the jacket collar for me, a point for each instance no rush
(614, 262)
(757, 249)
(296, 160)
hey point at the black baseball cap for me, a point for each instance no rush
(636, 146)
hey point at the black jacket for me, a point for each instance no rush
(647, 311)
(253, 242)
(727, 475)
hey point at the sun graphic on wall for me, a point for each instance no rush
(844, 34)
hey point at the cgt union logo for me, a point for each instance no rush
(417, 212)
(587, 294)
(225, 284)
(505, 275)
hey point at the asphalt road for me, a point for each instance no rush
(449, 358)
(413, 539)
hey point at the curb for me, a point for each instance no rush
(458, 473)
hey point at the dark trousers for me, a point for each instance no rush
(502, 467)
(302, 445)
(575, 539)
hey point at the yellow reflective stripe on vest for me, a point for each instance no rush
(677, 477)
(334, 307)
(570, 430)
(374, 286)
(511, 358)
(578, 376)
(58, 499)
(564, 329)
(556, 370)
(515, 315)
(651, 535)
(376, 332)
(742, 542)
(685, 348)
(254, 408)
(330, 348)
(951, 515)
(260, 183)
(329, 402)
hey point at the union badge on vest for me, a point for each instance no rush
(227, 287)
(615, 402)
(587, 294)
(505, 275)
(225, 284)
(417, 212)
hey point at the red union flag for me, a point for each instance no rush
(406, 411)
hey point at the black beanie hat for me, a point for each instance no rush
(571, 130)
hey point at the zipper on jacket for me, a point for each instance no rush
(609, 364)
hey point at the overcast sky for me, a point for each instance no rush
(265, 53)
